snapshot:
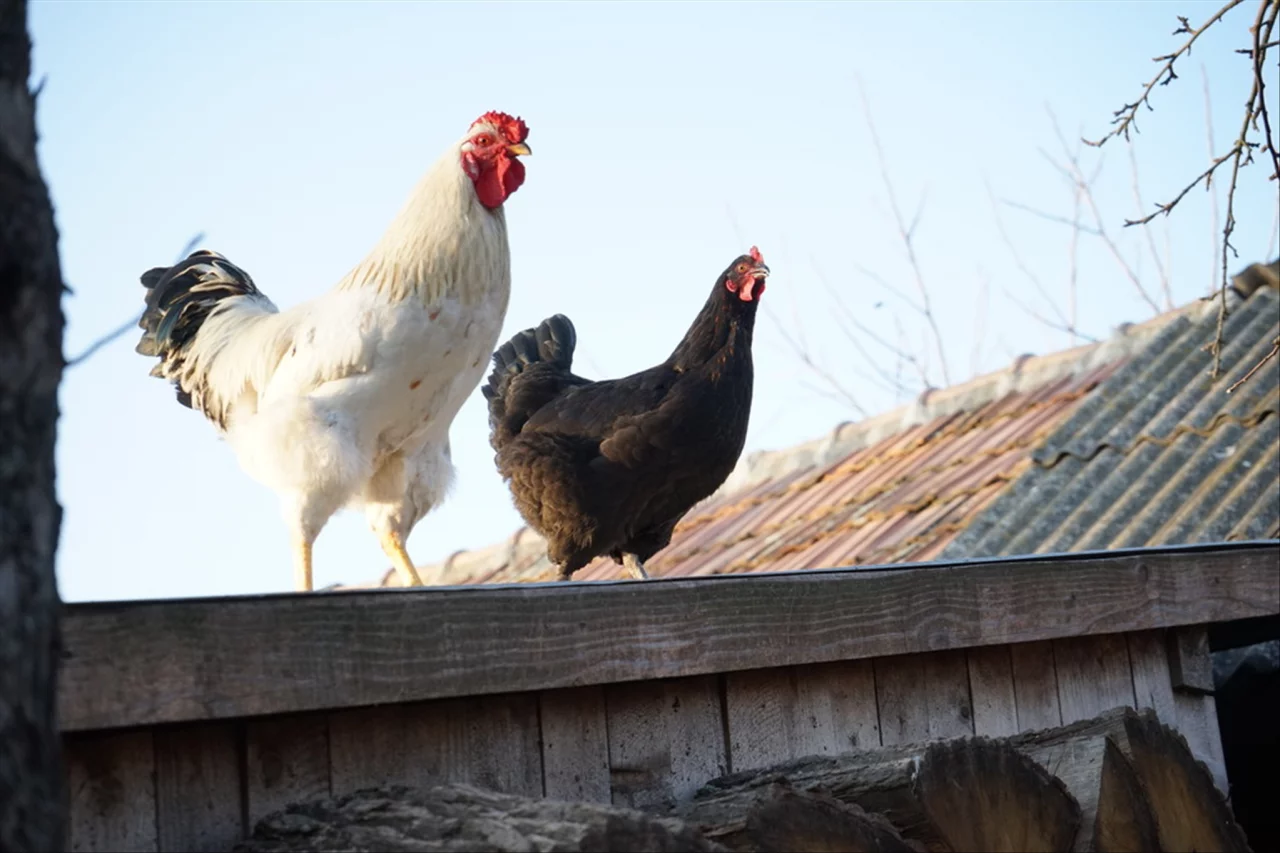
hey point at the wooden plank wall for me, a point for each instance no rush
(641, 744)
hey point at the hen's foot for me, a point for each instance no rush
(634, 567)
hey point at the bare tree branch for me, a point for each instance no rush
(1124, 118)
(1062, 323)
(1074, 224)
(1242, 151)
(1275, 349)
(1214, 225)
(906, 234)
(1086, 192)
(130, 323)
(1165, 285)
(979, 323)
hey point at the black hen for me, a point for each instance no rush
(611, 467)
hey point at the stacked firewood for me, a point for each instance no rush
(1121, 781)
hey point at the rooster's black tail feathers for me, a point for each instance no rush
(179, 299)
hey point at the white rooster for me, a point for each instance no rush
(346, 400)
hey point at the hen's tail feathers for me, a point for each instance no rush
(551, 345)
(180, 299)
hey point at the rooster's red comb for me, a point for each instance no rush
(514, 129)
(756, 256)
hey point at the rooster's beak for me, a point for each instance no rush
(518, 149)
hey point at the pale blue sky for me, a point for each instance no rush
(667, 138)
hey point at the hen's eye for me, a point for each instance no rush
(742, 267)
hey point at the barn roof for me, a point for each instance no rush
(1120, 443)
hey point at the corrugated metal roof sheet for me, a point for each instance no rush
(1119, 444)
(1158, 455)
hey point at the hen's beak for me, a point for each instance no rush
(760, 271)
(518, 149)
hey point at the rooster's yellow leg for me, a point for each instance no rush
(302, 565)
(393, 546)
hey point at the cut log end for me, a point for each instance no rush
(1190, 812)
(1123, 821)
(813, 822)
(981, 794)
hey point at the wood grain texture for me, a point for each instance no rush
(198, 797)
(778, 714)
(286, 761)
(1093, 675)
(1035, 686)
(575, 745)
(995, 706)
(1151, 685)
(923, 697)
(1190, 667)
(491, 742)
(138, 663)
(111, 780)
(666, 738)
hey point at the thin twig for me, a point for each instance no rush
(1077, 176)
(1259, 57)
(1151, 239)
(844, 315)
(1124, 118)
(1209, 188)
(1242, 151)
(1275, 348)
(1075, 225)
(1062, 326)
(907, 235)
(979, 323)
(817, 369)
(1062, 322)
(131, 323)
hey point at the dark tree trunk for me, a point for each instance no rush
(32, 800)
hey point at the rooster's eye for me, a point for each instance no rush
(483, 141)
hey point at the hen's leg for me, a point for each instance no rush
(634, 567)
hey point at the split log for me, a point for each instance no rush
(460, 818)
(965, 794)
(1138, 784)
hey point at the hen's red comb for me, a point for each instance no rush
(514, 129)
(756, 256)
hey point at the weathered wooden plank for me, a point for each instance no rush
(1190, 667)
(1035, 686)
(778, 714)
(1151, 685)
(666, 738)
(286, 761)
(139, 663)
(923, 697)
(1197, 721)
(575, 745)
(198, 794)
(995, 706)
(1191, 677)
(1093, 675)
(112, 792)
(491, 742)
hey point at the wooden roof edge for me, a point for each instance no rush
(145, 663)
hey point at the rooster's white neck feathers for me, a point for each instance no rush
(443, 243)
